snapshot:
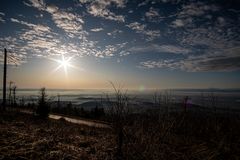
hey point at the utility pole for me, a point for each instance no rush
(10, 93)
(14, 95)
(58, 102)
(4, 78)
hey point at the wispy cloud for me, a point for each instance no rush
(141, 28)
(16, 54)
(146, 2)
(160, 49)
(197, 9)
(137, 26)
(114, 33)
(179, 23)
(41, 41)
(69, 22)
(96, 29)
(191, 11)
(1, 17)
(23, 22)
(153, 15)
(101, 9)
(219, 52)
(197, 64)
(39, 4)
(109, 50)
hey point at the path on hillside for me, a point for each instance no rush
(80, 121)
(74, 120)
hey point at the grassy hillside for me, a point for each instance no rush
(26, 137)
(178, 136)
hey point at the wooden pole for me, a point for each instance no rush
(4, 78)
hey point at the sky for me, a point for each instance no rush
(148, 44)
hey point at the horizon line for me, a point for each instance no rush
(210, 88)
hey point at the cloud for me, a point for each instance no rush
(160, 49)
(124, 53)
(39, 4)
(137, 26)
(41, 41)
(37, 40)
(114, 33)
(186, 22)
(152, 34)
(141, 28)
(215, 38)
(101, 9)
(145, 2)
(153, 16)
(2, 20)
(22, 22)
(96, 29)
(178, 23)
(216, 62)
(219, 64)
(193, 11)
(109, 50)
(152, 13)
(1, 17)
(170, 64)
(210, 64)
(171, 49)
(213, 49)
(16, 55)
(69, 22)
(197, 9)
(221, 21)
(213, 43)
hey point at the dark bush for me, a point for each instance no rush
(43, 108)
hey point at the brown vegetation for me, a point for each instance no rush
(24, 136)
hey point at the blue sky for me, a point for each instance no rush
(150, 44)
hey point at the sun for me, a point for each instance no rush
(64, 63)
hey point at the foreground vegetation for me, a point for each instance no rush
(24, 136)
(147, 136)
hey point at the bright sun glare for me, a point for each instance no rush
(64, 63)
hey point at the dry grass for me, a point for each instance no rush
(25, 137)
(184, 137)
(178, 136)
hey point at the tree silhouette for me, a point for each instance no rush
(43, 107)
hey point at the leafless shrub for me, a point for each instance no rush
(119, 109)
